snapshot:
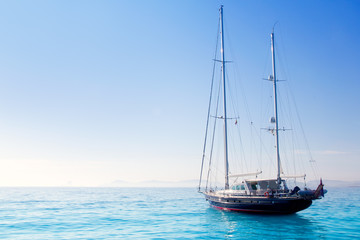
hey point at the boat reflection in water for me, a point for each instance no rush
(231, 225)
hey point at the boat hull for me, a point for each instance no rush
(258, 204)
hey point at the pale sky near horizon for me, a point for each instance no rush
(97, 91)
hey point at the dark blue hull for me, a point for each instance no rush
(258, 204)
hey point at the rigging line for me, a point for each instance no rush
(291, 121)
(233, 150)
(303, 133)
(248, 113)
(265, 112)
(268, 111)
(283, 68)
(235, 106)
(235, 68)
(215, 171)
(246, 108)
(213, 136)
(265, 150)
(242, 91)
(292, 135)
(243, 94)
(233, 101)
(262, 103)
(281, 111)
(250, 119)
(301, 162)
(210, 100)
(283, 55)
(260, 150)
(242, 149)
(265, 109)
(255, 150)
(267, 61)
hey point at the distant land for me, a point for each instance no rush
(194, 183)
(154, 183)
(338, 183)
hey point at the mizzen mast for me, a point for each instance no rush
(273, 79)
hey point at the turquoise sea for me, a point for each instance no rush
(164, 213)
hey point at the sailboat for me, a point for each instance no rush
(252, 194)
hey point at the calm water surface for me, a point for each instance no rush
(164, 213)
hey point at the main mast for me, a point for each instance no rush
(275, 109)
(224, 94)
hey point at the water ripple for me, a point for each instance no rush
(161, 213)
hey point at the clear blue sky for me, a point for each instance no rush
(96, 91)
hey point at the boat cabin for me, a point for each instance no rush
(259, 187)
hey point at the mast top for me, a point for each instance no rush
(273, 29)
